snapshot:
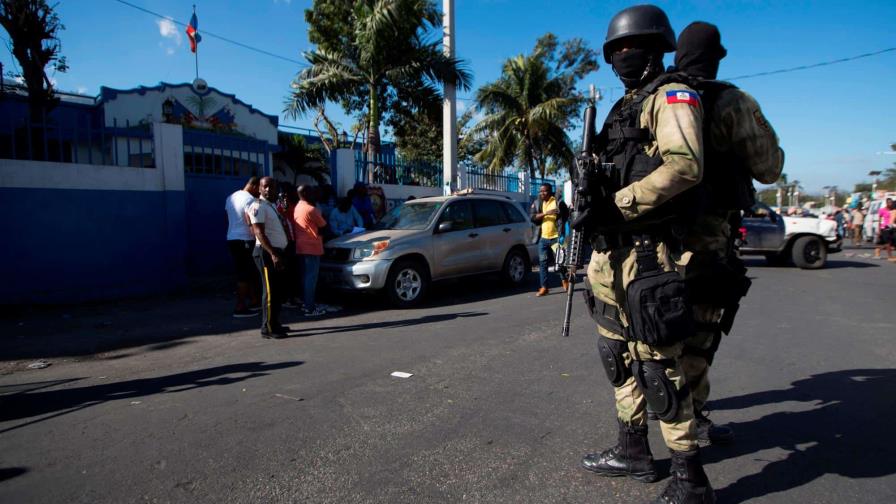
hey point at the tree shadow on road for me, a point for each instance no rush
(392, 324)
(21, 405)
(847, 433)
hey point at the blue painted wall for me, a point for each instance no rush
(72, 245)
(206, 223)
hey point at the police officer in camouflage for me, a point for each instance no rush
(739, 146)
(650, 153)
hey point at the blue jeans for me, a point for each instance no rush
(309, 265)
(545, 258)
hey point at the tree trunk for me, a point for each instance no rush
(373, 135)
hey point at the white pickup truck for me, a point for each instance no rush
(806, 241)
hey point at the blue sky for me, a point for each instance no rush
(833, 121)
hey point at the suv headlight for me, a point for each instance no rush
(369, 250)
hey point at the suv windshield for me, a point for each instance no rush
(410, 216)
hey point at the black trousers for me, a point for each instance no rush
(273, 288)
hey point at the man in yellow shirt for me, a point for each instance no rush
(548, 216)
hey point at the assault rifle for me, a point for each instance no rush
(581, 205)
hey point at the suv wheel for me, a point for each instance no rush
(516, 265)
(809, 252)
(407, 283)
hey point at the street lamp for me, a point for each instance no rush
(343, 138)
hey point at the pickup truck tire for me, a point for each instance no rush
(809, 252)
(407, 283)
(516, 266)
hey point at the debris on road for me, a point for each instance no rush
(401, 374)
(291, 398)
(41, 364)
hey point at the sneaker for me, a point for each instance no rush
(282, 329)
(542, 292)
(316, 312)
(329, 308)
(565, 284)
(244, 313)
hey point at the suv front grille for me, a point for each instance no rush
(336, 254)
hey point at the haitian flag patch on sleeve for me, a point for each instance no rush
(682, 96)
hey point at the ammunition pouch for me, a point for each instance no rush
(720, 284)
(605, 314)
(658, 308)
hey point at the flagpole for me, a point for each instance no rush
(196, 54)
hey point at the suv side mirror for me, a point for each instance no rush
(444, 227)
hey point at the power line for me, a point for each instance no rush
(814, 65)
(219, 37)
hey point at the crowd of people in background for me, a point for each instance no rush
(851, 224)
(275, 235)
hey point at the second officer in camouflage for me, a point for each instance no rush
(739, 146)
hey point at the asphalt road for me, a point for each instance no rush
(173, 401)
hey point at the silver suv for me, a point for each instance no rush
(431, 239)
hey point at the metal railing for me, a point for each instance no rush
(480, 179)
(76, 138)
(387, 168)
(209, 153)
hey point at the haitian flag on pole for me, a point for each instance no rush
(193, 32)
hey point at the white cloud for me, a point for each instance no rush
(81, 90)
(169, 30)
(169, 51)
(461, 106)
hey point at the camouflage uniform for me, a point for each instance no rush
(739, 130)
(677, 132)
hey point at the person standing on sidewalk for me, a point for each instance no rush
(270, 242)
(884, 236)
(858, 224)
(240, 242)
(545, 211)
(308, 222)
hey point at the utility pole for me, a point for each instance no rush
(449, 108)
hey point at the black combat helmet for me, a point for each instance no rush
(640, 20)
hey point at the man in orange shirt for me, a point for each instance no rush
(309, 247)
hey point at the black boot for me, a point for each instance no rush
(630, 457)
(689, 484)
(710, 433)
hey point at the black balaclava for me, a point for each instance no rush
(700, 50)
(635, 66)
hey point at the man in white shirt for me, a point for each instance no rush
(270, 241)
(241, 242)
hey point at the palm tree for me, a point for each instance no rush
(526, 113)
(296, 157)
(381, 56)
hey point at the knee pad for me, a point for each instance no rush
(612, 354)
(659, 391)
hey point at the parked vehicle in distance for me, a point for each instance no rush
(872, 220)
(806, 241)
(430, 239)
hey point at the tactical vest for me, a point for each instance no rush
(728, 181)
(625, 144)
